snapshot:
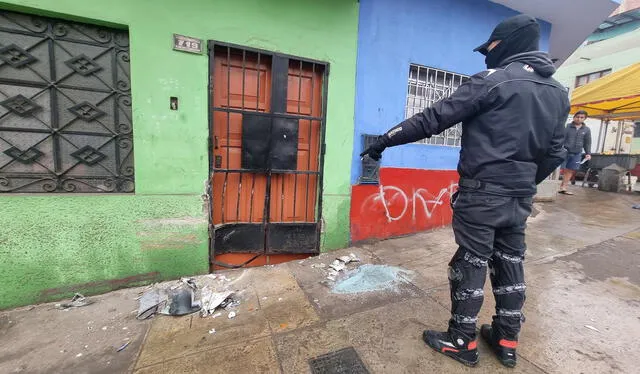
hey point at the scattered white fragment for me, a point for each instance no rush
(279, 299)
(331, 278)
(212, 300)
(212, 276)
(232, 315)
(104, 328)
(86, 347)
(212, 331)
(79, 355)
(264, 298)
(216, 315)
(591, 328)
(125, 328)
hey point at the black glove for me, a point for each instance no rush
(374, 151)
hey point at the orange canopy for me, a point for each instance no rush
(615, 96)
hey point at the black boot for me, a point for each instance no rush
(505, 349)
(455, 345)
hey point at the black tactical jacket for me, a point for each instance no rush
(513, 124)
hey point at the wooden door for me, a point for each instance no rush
(267, 116)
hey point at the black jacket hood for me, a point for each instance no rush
(539, 61)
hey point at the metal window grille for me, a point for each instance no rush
(427, 86)
(65, 107)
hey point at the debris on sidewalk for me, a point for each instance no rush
(175, 302)
(187, 296)
(349, 259)
(232, 315)
(338, 265)
(190, 282)
(182, 302)
(212, 331)
(150, 303)
(636, 206)
(122, 348)
(592, 328)
(212, 300)
(77, 301)
(229, 303)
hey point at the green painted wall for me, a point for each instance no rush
(615, 54)
(53, 245)
(614, 31)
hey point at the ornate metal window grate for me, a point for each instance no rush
(65, 107)
(426, 87)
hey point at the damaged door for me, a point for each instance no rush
(267, 120)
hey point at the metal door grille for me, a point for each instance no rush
(427, 86)
(267, 128)
(65, 107)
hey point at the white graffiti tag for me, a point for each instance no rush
(418, 199)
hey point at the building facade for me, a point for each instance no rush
(142, 141)
(109, 136)
(411, 54)
(614, 45)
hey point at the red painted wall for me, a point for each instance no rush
(406, 201)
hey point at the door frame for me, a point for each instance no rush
(211, 44)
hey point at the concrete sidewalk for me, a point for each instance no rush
(582, 309)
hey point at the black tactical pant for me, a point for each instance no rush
(489, 230)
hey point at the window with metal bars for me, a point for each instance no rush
(65, 107)
(581, 80)
(427, 86)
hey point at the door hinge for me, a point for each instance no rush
(323, 149)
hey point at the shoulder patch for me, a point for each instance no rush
(528, 68)
(487, 73)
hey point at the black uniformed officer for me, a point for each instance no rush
(513, 117)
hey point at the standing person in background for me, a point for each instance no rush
(577, 137)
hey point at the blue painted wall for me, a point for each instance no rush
(395, 33)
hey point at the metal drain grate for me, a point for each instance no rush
(344, 361)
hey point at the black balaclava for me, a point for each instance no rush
(524, 39)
